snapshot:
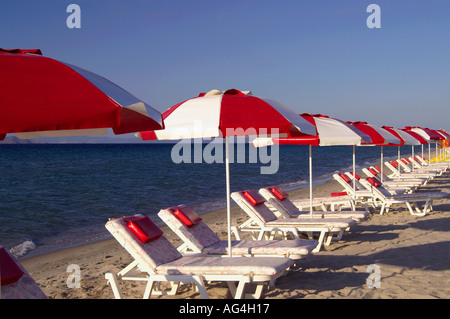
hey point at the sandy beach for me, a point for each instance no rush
(410, 253)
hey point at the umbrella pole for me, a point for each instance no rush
(310, 182)
(382, 164)
(436, 153)
(354, 173)
(412, 164)
(429, 152)
(227, 170)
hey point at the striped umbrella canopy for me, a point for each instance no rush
(225, 114)
(431, 136)
(380, 137)
(445, 142)
(41, 96)
(330, 131)
(428, 134)
(408, 137)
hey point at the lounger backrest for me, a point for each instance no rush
(392, 166)
(403, 165)
(344, 181)
(422, 160)
(259, 212)
(371, 183)
(416, 162)
(279, 198)
(149, 255)
(368, 172)
(198, 236)
(357, 183)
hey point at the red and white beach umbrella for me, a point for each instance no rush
(330, 131)
(408, 137)
(380, 137)
(41, 96)
(430, 135)
(225, 114)
(445, 142)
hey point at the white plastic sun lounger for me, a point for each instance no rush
(411, 183)
(199, 238)
(16, 282)
(391, 189)
(426, 167)
(406, 165)
(156, 260)
(279, 199)
(361, 197)
(396, 172)
(394, 178)
(440, 165)
(262, 221)
(334, 202)
(387, 199)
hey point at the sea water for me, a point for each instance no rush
(54, 196)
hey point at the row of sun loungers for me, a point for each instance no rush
(282, 233)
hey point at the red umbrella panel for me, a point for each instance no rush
(41, 94)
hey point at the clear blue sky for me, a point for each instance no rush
(313, 56)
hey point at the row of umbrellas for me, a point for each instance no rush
(45, 97)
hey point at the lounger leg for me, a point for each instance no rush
(410, 208)
(382, 208)
(112, 280)
(201, 287)
(235, 231)
(340, 234)
(319, 242)
(239, 292)
(149, 289)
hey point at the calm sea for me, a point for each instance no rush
(54, 196)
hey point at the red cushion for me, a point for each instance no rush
(374, 172)
(143, 228)
(345, 178)
(10, 271)
(378, 169)
(374, 181)
(186, 215)
(254, 197)
(339, 194)
(279, 192)
(356, 175)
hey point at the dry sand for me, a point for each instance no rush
(410, 252)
